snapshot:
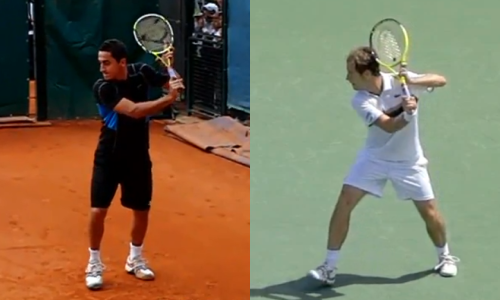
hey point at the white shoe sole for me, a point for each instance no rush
(447, 275)
(94, 286)
(317, 277)
(130, 271)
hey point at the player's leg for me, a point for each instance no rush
(365, 177)
(103, 188)
(413, 183)
(137, 188)
(435, 224)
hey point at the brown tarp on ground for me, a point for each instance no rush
(222, 136)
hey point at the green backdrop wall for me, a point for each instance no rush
(74, 31)
(14, 59)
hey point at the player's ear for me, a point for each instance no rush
(123, 62)
(366, 74)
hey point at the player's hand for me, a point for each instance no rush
(403, 72)
(173, 89)
(175, 86)
(410, 104)
(176, 81)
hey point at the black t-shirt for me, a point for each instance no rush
(123, 137)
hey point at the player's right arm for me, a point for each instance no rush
(393, 124)
(108, 95)
(372, 115)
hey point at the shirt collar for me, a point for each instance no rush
(387, 83)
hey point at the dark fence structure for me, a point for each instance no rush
(207, 76)
(207, 57)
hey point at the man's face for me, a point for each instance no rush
(217, 22)
(358, 81)
(110, 67)
(200, 20)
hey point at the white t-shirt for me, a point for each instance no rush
(401, 146)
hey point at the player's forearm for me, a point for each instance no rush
(392, 125)
(429, 80)
(149, 108)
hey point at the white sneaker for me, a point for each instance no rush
(447, 266)
(139, 267)
(93, 275)
(323, 274)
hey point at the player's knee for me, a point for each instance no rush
(98, 214)
(139, 207)
(349, 197)
(428, 210)
(141, 215)
(347, 201)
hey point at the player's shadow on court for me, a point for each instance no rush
(306, 288)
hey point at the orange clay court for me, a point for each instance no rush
(198, 241)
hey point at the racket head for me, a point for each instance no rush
(154, 34)
(390, 41)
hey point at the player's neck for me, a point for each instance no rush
(377, 86)
(123, 76)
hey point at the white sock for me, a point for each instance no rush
(443, 250)
(95, 255)
(332, 256)
(135, 251)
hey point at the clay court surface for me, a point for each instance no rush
(199, 237)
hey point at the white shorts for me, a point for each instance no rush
(411, 182)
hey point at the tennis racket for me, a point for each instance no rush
(155, 35)
(390, 41)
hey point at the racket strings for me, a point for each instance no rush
(154, 34)
(389, 48)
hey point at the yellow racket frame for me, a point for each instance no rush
(404, 56)
(169, 49)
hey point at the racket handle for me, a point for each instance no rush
(406, 90)
(402, 79)
(166, 63)
(171, 72)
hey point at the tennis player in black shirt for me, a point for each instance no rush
(122, 154)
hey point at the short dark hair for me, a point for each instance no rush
(365, 59)
(116, 47)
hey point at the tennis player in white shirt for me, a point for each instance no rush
(392, 152)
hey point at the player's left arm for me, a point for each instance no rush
(428, 80)
(152, 77)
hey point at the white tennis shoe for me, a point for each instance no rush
(447, 266)
(93, 275)
(323, 274)
(138, 266)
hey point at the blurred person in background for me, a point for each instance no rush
(199, 22)
(217, 26)
(210, 11)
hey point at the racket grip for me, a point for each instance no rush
(406, 90)
(171, 72)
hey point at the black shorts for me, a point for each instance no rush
(135, 180)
